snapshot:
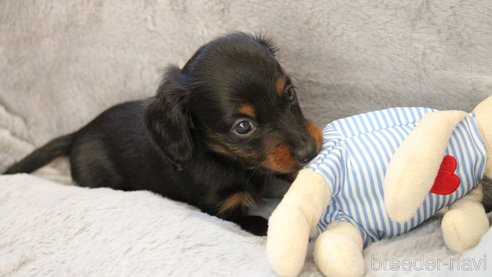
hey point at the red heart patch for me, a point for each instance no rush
(446, 181)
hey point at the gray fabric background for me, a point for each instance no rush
(63, 62)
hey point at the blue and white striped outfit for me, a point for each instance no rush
(356, 152)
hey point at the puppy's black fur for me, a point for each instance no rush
(216, 133)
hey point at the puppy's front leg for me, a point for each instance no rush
(254, 224)
(234, 208)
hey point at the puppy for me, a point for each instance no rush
(217, 132)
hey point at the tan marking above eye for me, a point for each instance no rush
(247, 109)
(280, 85)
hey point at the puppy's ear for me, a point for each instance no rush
(168, 121)
(268, 43)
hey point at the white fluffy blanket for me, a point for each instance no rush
(62, 63)
(49, 229)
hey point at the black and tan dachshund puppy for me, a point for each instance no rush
(216, 133)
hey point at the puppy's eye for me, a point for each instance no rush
(243, 127)
(290, 94)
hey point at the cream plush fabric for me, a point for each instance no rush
(62, 63)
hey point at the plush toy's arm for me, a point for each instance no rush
(414, 167)
(292, 221)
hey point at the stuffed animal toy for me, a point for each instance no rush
(381, 174)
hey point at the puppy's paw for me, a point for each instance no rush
(256, 225)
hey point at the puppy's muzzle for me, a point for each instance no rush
(305, 151)
(306, 144)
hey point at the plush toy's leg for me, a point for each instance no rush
(465, 222)
(338, 251)
(290, 224)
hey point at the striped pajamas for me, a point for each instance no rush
(355, 154)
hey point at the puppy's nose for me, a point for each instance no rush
(306, 153)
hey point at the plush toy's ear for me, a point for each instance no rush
(483, 113)
(168, 122)
(414, 167)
